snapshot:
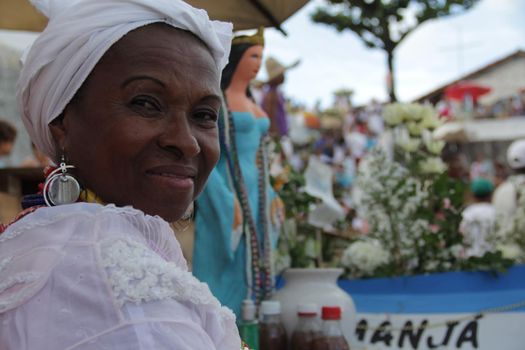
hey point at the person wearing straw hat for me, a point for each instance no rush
(273, 101)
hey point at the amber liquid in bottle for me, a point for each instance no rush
(330, 343)
(307, 330)
(332, 337)
(272, 334)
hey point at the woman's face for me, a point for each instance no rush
(250, 63)
(143, 129)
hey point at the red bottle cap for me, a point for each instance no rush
(331, 313)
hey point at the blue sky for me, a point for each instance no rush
(437, 52)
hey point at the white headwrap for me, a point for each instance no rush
(78, 34)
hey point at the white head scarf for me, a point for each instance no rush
(78, 34)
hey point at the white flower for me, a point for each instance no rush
(392, 115)
(432, 165)
(415, 129)
(282, 262)
(430, 118)
(424, 116)
(431, 265)
(365, 256)
(458, 251)
(410, 111)
(510, 251)
(310, 248)
(434, 146)
(409, 145)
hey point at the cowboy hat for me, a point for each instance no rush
(274, 68)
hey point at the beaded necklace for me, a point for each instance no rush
(261, 277)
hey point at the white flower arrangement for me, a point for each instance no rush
(419, 116)
(409, 145)
(411, 127)
(432, 165)
(413, 209)
(389, 201)
(434, 146)
(511, 251)
(363, 257)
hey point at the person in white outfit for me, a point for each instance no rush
(479, 218)
(505, 196)
(124, 96)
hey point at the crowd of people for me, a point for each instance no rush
(512, 106)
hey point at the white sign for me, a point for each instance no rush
(492, 331)
(318, 177)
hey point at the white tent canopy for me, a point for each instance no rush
(485, 130)
(245, 14)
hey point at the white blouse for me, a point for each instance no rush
(85, 276)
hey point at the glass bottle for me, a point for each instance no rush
(308, 328)
(332, 337)
(272, 335)
(249, 326)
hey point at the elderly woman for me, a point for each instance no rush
(125, 96)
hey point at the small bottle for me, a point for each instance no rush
(272, 335)
(308, 328)
(332, 337)
(249, 326)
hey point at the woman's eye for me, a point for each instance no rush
(146, 103)
(209, 116)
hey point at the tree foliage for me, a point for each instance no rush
(384, 24)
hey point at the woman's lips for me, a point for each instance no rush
(178, 178)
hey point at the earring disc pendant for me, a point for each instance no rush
(63, 189)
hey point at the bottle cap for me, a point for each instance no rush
(270, 307)
(248, 310)
(331, 313)
(308, 309)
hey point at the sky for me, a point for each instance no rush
(437, 52)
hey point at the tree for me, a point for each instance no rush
(384, 24)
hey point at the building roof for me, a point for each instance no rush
(435, 95)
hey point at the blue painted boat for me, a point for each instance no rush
(454, 310)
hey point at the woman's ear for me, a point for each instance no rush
(58, 129)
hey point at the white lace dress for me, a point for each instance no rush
(86, 276)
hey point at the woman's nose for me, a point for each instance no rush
(177, 137)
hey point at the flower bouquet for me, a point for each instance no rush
(412, 206)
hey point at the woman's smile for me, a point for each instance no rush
(176, 177)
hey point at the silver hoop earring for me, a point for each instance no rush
(60, 187)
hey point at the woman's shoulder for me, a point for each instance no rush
(131, 256)
(66, 217)
(95, 223)
(32, 247)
